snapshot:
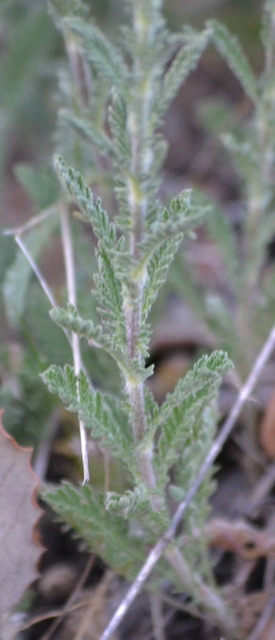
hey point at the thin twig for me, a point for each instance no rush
(75, 341)
(70, 277)
(36, 270)
(55, 613)
(168, 537)
(32, 222)
(47, 290)
(42, 281)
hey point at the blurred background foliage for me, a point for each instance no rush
(32, 59)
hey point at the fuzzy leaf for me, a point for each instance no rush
(70, 319)
(93, 212)
(186, 470)
(185, 61)
(102, 414)
(84, 128)
(181, 414)
(230, 48)
(128, 503)
(194, 454)
(136, 504)
(110, 301)
(118, 124)
(181, 217)
(103, 55)
(106, 534)
(157, 271)
(62, 382)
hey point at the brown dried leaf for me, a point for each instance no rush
(19, 552)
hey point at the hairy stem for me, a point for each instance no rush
(137, 125)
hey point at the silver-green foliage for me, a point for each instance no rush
(135, 248)
(242, 317)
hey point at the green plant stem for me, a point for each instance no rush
(47, 290)
(137, 124)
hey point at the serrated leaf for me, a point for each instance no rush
(157, 272)
(19, 553)
(110, 300)
(229, 47)
(181, 217)
(193, 455)
(180, 416)
(128, 503)
(70, 319)
(100, 412)
(185, 61)
(105, 534)
(84, 128)
(103, 55)
(136, 504)
(117, 118)
(93, 212)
